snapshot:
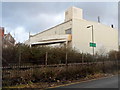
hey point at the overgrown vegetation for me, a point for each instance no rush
(22, 54)
(54, 74)
(36, 55)
(25, 55)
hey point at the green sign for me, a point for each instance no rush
(92, 44)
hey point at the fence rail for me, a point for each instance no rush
(13, 75)
(52, 65)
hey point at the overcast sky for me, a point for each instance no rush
(20, 18)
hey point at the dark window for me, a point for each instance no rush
(68, 31)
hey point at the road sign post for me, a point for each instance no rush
(92, 44)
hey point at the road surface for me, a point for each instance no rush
(108, 82)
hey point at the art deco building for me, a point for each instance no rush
(78, 33)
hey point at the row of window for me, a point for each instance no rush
(68, 31)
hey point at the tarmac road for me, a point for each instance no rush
(107, 82)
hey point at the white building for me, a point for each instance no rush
(75, 33)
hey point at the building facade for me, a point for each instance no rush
(6, 39)
(74, 33)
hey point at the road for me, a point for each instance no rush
(109, 82)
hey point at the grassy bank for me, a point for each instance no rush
(45, 85)
(50, 76)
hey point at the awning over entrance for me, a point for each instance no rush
(52, 40)
(48, 42)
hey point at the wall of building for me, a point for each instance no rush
(9, 38)
(105, 37)
(73, 12)
(2, 31)
(57, 30)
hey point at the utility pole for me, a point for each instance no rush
(29, 39)
(98, 19)
(93, 41)
(93, 44)
(14, 38)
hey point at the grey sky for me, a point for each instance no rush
(21, 17)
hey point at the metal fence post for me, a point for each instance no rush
(66, 59)
(82, 58)
(46, 59)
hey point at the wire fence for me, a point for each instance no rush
(24, 65)
(24, 74)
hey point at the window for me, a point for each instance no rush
(68, 31)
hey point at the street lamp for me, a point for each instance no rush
(93, 44)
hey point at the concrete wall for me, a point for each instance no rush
(73, 12)
(57, 30)
(105, 37)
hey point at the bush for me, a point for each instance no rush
(22, 54)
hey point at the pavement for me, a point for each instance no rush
(106, 82)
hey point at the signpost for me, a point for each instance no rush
(92, 44)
